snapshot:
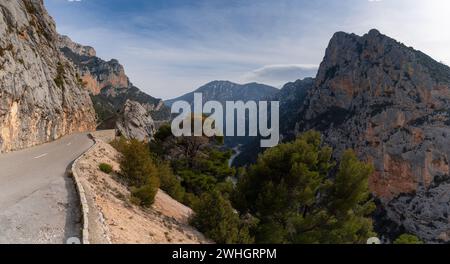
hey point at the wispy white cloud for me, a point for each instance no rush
(277, 75)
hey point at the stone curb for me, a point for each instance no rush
(82, 195)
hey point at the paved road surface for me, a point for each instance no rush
(38, 201)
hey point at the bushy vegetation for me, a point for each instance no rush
(138, 170)
(295, 193)
(170, 183)
(200, 166)
(217, 219)
(136, 165)
(120, 144)
(145, 194)
(106, 168)
(407, 239)
(291, 191)
(60, 72)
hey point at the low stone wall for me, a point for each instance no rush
(82, 195)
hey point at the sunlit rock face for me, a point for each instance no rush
(135, 122)
(109, 86)
(96, 73)
(391, 104)
(41, 96)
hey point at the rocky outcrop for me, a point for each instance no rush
(41, 97)
(291, 98)
(135, 122)
(96, 73)
(80, 50)
(108, 84)
(391, 104)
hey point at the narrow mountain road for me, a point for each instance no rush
(38, 200)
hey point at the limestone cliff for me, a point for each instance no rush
(391, 104)
(41, 96)
(135, 122)
(109, 86)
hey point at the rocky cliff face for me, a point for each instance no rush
(391, 104)
(41, 97)
(96, 73)
(292, 97)
(135, 122)
(109, 86)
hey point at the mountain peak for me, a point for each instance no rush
(389, 103)
(374, 32)
(65, 41)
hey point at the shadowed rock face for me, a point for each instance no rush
(41, 98)
(109, 86)
(391, 104)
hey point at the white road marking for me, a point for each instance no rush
(41, 156)
(70, 143)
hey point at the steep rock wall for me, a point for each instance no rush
(41, 95)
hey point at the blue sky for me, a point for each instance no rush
(170, 47)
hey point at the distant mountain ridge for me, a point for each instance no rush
(228, 91)
(223, 91)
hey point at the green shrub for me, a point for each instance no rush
(190, 200)
(164, 132)
(197, 183)
(106, 168)
(170, 183)
(216, 218)
(139, 171)
(136, 164)
(60, 72)
(145, 195)
(407, 239)
(301, 196)
(119, 144)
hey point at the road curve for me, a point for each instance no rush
(38, 201)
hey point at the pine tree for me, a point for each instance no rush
(139, 171)
(297, 198)
(216, 218)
